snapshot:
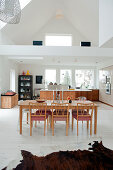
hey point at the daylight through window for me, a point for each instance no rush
(65, 77)
(58, 40)
(50, 77)
(84, 78)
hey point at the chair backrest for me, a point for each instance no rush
(38, 107)
(61, 109)
(84, 108)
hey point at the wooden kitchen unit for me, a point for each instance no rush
(95, 95)
(92, 95)
(8, 102)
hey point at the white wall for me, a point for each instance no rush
(107, 98)
(4, 40)
(5, 66)
(105, 21)
(59, 26)
(36, 69)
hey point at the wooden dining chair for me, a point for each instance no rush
(38, 112)
(60, 112)
(83, 112)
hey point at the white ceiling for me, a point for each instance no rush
(75, 61)
(82, 14)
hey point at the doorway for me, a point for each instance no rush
(12, 80)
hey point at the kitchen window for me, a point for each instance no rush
(50, 76)
(65, 77)
(84, 78)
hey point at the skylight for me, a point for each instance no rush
(23, 3)
(58, 40)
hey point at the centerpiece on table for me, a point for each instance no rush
(69, 99)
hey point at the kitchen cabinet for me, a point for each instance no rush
(92, 95)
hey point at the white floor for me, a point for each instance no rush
(11, 142)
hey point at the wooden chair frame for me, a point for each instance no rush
(41, 108)
(60, 112)
(81, 109)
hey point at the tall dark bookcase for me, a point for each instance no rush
(25, 87)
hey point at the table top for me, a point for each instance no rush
(74, 102)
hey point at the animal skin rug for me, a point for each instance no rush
(97, 157)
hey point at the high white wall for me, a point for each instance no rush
(107, 98)
(105, 21)
(59, 26)
(36, 69)
(4, 40)
(5, 67)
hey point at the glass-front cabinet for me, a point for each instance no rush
(25, 87)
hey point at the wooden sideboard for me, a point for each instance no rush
(8, 102)
(92, 95)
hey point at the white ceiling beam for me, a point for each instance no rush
(27, 50)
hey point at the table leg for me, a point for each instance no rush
(20, 120)
(95, 120)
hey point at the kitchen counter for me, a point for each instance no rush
(92, 94)
(67, 90)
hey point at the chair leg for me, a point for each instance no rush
(50, 120)
(67, 128)
(87, 125)
(68, 120)
(91, 127)
(44, 126)
(72, 122)
(47, 122)
(77, 128)
(35, 123)
(53, 127)
(27, 117)
(30, 128)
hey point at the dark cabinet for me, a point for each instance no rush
(25, 87)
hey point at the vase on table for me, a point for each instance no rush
(70, 101)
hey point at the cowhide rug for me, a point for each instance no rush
(97, 157)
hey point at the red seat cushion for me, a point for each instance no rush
(37, 118)
(82, 117)
(48, 112)
(10, 93)
(59, 118)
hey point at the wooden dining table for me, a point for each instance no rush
(25, 105)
